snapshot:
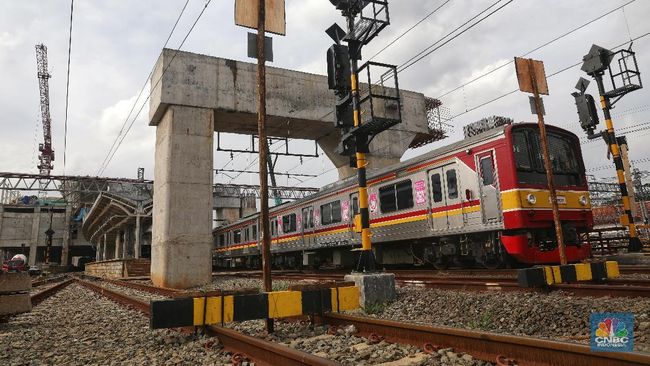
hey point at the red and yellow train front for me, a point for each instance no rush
(529, 234)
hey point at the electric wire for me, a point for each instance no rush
(548, 77)
(428, 51)
(410, 29)
(67, 89)
(144, 86)
(536, 49)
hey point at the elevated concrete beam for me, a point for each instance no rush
(299, 105)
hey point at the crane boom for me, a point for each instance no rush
(46, 156)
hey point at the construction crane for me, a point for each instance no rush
(46, 156)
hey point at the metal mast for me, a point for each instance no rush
(47, 154)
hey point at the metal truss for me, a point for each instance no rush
(77, 190)
(239, 190)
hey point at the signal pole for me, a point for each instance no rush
(367, 256)
(610, 137)
(629, 79)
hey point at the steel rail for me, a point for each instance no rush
(45, 281)
(612, 288)
(40, 296)
(489, 346)
(264, 353)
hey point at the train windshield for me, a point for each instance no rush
(530, 165)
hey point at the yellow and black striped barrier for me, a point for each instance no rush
(207, 309)
(549, 275)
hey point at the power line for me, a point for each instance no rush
(548, 77)
(410, 29)
(102, 166)
(535, 49)
(427, 51)
(67, 89)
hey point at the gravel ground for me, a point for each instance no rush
(348, 349)
(557, 316)
(78, 327)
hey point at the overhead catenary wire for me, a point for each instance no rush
(144, 86)
(409, 29)
(428, 50)
(536, 48)
(548, 77)
(67, 89)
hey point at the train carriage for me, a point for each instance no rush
(482, 200)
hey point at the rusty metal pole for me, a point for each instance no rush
(547, 164)
(263, 150)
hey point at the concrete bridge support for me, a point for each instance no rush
(194, 95)
(182, 217)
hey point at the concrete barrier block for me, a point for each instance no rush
(374, 288)
(531, 277)
(15, 304)
(15, 282)
(612, 269)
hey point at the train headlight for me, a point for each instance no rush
(531, 199)
(583, 200)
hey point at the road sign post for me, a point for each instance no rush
(532, 79)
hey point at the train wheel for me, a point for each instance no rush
(441, 263)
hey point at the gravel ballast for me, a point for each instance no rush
(557, 316)
(78, 327)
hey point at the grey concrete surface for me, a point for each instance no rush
(182, 215)
(374, 288)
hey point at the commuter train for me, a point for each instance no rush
(482, 201)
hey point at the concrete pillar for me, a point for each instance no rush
(33, 243)
(2, 209)
(182, 217)
(137, 235)
(65, 250)
(98, 249)
(118, 245)
(105, 248)
(126, 243)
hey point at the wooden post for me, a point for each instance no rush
(547, 163)
(263, 150)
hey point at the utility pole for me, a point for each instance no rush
(622, 142)
(263, 151)
(531, 83)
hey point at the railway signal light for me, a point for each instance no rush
(597, 60)
(587, 112)
(338, 68)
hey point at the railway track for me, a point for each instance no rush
(613, 288)
(492, 347)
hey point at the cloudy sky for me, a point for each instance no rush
(115, 44)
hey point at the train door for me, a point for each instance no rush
(307, 226)
(354, 210)
(488, 187)
(446, 208)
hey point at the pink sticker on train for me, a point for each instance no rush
(372, 202)
(345, 209)
(298, 222)
(317, 217)
(420, 192)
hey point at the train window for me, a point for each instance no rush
(487, 171)
(274, 229)
(452, 184)
(355, 205)
(247, 235)
(289, 223)
(236, 236)
(255, 232)
(307, 218)
(436, 187)
(336, 211)
(222, 240)
(330, 213)
(521, 150)
(395, 197)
